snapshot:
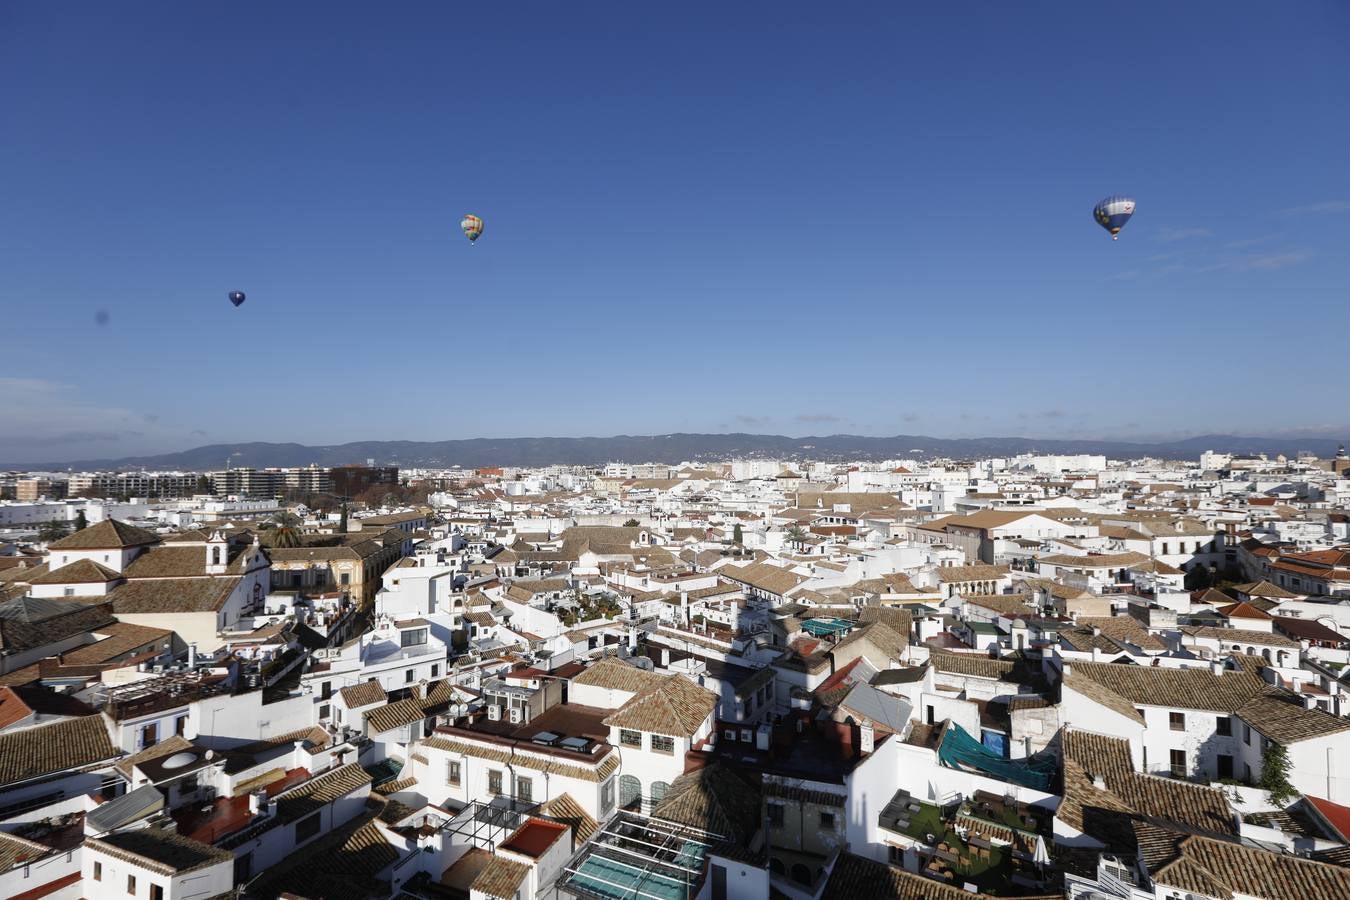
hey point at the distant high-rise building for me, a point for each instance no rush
(348, 481)
(40, 488)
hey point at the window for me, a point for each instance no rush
(494, 781)
(435, 670)
(663, 744)
(131, 885)
(452, 772)
(630, 738)
(719, 882)
(524, 789)
(409, 675)
(150, 734)
(156, 892)
(1178, 766)
(325, 711)
(776, 815)
(326, 690)
(827, 820)
(1224, 726)
(1225, 766)
(895, 854)
(730, 734)
(414, 638)
(1176, 721)
(98, 870)
(345, 579)
(606, 797)
(180, 726)
(306, 828)
(1246, 734)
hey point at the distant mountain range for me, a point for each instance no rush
(674, 448)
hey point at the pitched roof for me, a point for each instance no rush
(110, 534)
(1239, 636)
(81, 571)
(1190, 688)
(716, 799)
(615, 675)
(859, 878)
(1281, 716)
(1088, 756)
(1243, 610)
(394, 715)
(48, 749)
(332, 785)
(364, 694)
(1264, 589)
(565, 808)
(27, 623)
(161, 851)
(676, 706)
(1224, 868)
(501, 878)
(961, 574)
(167, 747)
(173, 595)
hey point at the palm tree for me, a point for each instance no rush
(284, 530)
(795, 533)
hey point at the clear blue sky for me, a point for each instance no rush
(793, 218)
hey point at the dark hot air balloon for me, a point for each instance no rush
(237, 297)
(1112, 213)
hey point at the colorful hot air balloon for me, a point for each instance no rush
(237, 297)
(473, 227)
(1112, 213)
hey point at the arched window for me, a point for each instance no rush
(776, 866)
(215, 556)
(659, 789)
(630, 790)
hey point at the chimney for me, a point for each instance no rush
(1216, 666)
(1296, 684)
(1068, 669)
(866, 737)
(1096, 631)
(665, 657)
(192, 655)
(1099, 782)
(1096, 654)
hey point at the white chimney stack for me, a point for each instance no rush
(866, 736)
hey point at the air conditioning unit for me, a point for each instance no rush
(494, 712)
(515, 716)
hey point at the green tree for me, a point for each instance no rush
(203, 484)
(795, 533)
(736, 536)
(632, 523)
(342, 522)
(1275, 775)
(53, 530)
(283, 530)
(81, 521)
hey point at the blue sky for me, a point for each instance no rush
(791, 218)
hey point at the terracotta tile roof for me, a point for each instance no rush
(81, 571)
(182, 562)
(1125, 791)
(120, 638)
(1239, 636)
(27, 623)
(764, 576)
(978, 666)
(342, 864)
(394, 715)
(1101, 695)
(364, 694)
(1096, 561)
(1243, 610)
(1191, 688)
(161, 851)
(859, 878)
(1225, 868)
(320, 791)
(166, 747)
(110, 534)
(962, 574)
(48, 749)
(715, 799)
(676, 706)
(1125, 630)
(565, 808)
(1264, 589)
(1281, 716)
(173, 595)
(615, 675)
(1308, 629)
(501, 878)
(15, 850)
(461, 748)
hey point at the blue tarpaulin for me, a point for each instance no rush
(961, 751)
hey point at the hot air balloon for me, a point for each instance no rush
(237, 297)
(1112, 213)
(473, 227)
